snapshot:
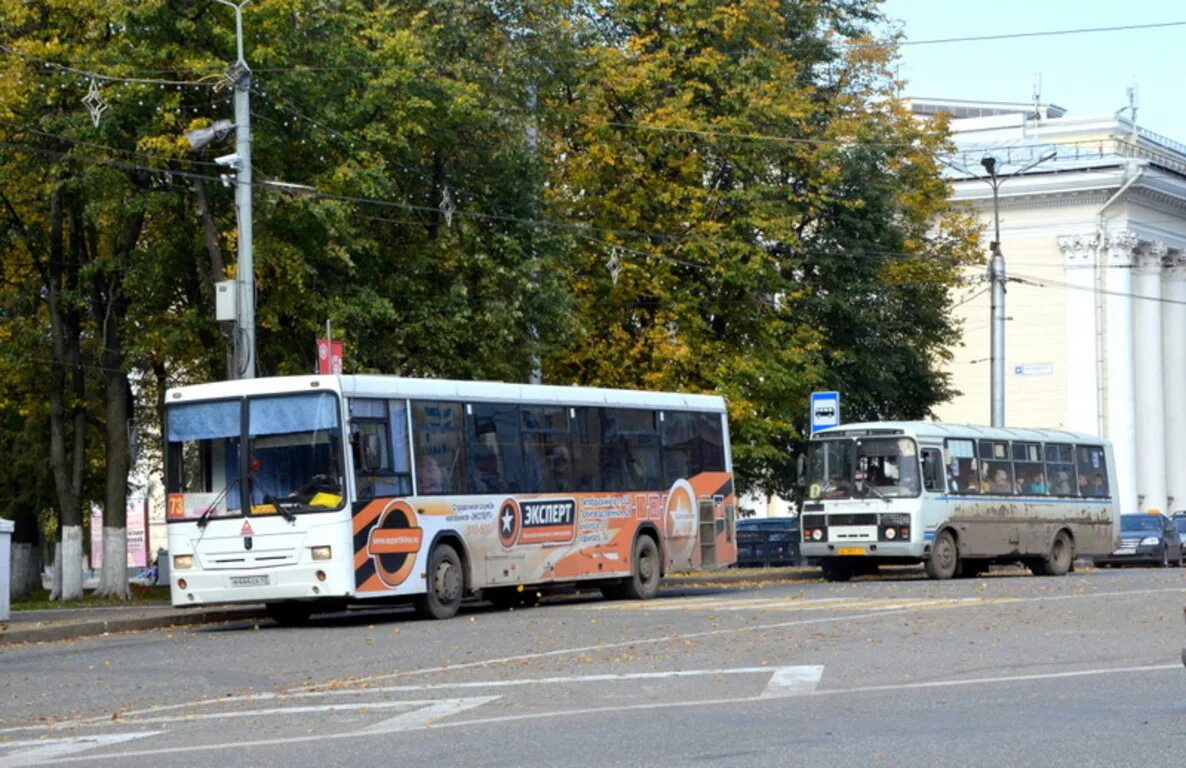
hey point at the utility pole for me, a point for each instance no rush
(240, 74)
(996, 276)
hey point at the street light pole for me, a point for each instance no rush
(996, 275)
(240, 75)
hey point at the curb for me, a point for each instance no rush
(745, 575)
(68, 630)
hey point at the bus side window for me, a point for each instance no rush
(932, 470)
(494, 452)
(438, 432)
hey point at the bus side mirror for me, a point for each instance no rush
(801, 471)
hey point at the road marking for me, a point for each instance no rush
(617, 708)
(499, 660)
(357, 706)
(322, 688)
(803, 604)
(426, 716)
(52, 750)
(792, 681)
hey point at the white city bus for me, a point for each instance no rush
(956, 498)
(312, 492)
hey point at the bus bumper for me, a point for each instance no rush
(297, 582)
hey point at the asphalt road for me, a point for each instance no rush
(1006, 670)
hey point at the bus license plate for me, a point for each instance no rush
(250, 581)
(851, 551)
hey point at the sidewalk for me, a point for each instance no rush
(53, 624)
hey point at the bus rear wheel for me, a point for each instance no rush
(945, 559)
(446, 584)
(645, 571)
(1058, 561)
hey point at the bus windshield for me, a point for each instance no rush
(881, 467)
(293, 456)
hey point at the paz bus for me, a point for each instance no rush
(310, 493)
(956, 498)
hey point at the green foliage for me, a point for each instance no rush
(775, 211)
(770, 202)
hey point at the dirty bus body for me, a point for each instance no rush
(956, 498)
(308, 493)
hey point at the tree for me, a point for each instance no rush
(758, 206)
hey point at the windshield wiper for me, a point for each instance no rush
(872, 488)
(286, 513)
(203, 520)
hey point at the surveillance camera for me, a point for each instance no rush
(230, 161)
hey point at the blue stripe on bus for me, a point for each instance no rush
(1043, 499)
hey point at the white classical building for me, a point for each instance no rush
(1094, 242)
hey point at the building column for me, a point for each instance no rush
(1118, 379)
(1173, 338)
(1082, 414)
(1149, 380)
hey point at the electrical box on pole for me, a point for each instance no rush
(225, 301)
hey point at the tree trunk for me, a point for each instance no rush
(110, 307)
(55, 587)
(113, 579)
(67, 393)
(70, 563)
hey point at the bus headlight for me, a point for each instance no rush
(322, 553)
(891, 534)
(182, 562)
(817, 535)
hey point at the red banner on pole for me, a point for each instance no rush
(329, 357)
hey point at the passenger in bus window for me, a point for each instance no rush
(558, 468)
(1098, 486)
(1037, 484)
(430, 478)
(1000, 481)
(1062, 485)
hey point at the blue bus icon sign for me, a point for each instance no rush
(825, 410)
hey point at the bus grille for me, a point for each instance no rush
(859, 518)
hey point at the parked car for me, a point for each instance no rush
(768, 542)
(1179, 519)
(1150, 539)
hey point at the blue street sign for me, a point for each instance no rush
(825, 410)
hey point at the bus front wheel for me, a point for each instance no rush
(944, 560)
(446, 583)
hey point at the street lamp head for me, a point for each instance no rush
(200, 137)
(990, 164)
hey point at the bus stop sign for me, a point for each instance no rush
(825, 410)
